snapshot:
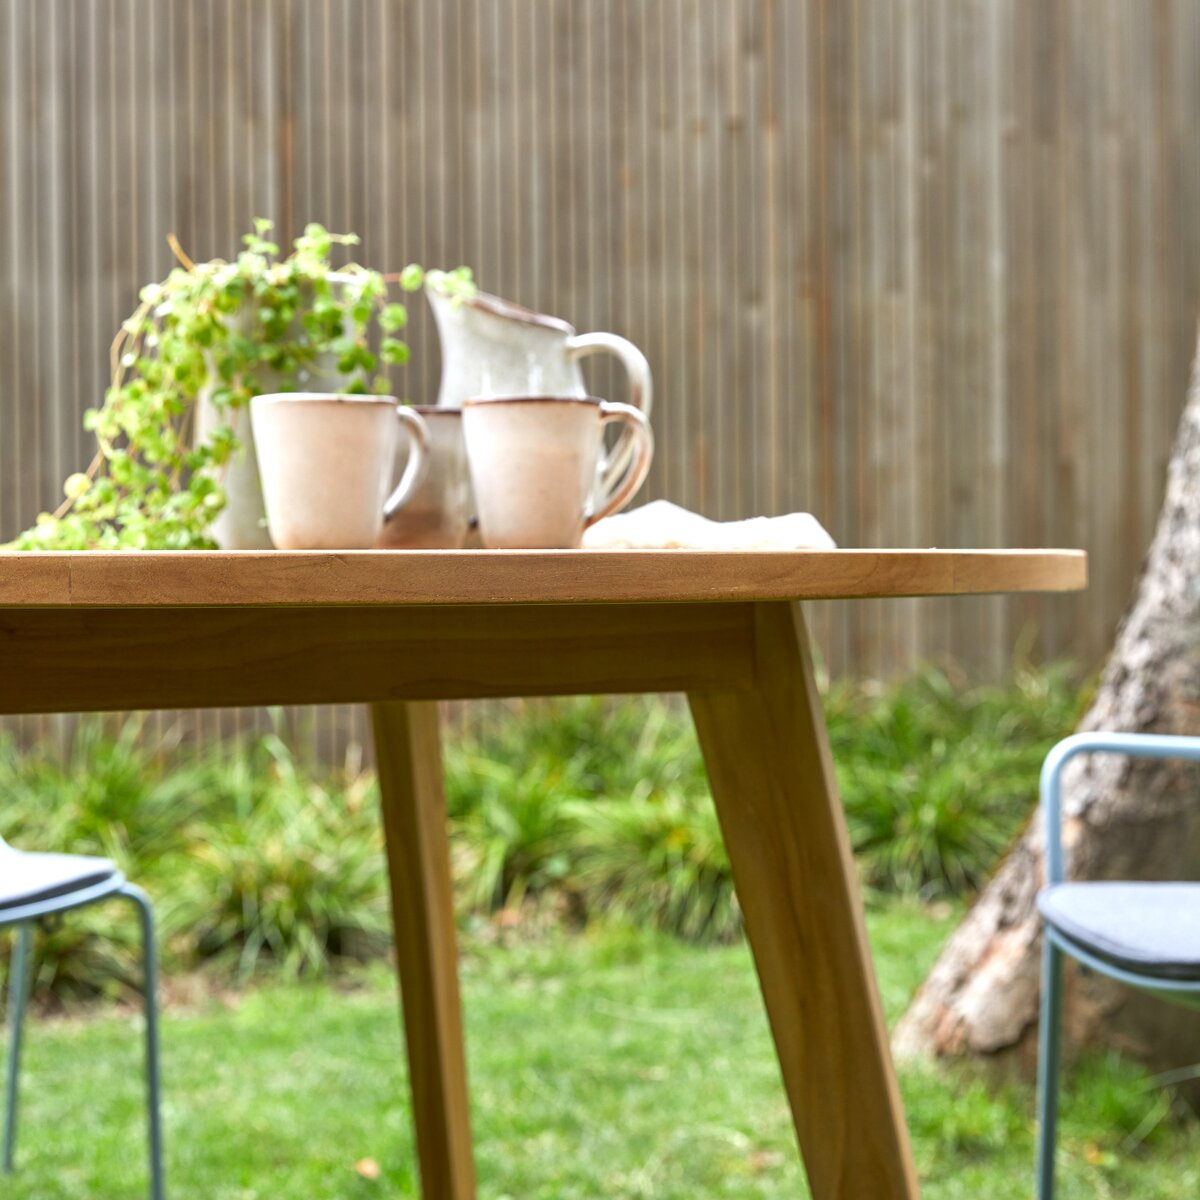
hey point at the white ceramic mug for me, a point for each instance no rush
(327, 463)
(533, 463)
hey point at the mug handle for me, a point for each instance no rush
(641, 442)
(418, 461)
(641, 392)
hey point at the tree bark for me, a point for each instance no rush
(1123, 819)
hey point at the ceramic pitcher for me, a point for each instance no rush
(493, 347)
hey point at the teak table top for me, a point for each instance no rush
(122, 579)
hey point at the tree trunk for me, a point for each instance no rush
(1123, 819)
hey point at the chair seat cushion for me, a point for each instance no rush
(30, 878)
(1150, 928)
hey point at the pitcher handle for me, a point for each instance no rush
(641, 441)
(641, 392)
(418, 462)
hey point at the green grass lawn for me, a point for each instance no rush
(613, 1064)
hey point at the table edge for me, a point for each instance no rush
(367, 578)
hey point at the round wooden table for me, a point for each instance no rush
(401, 629)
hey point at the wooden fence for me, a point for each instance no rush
(930, 269)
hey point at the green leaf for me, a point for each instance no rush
(394, 351)
(393, 317)
(76, 485)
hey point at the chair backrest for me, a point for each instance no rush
(1135, 745)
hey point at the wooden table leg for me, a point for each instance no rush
(769, 765)
(408, 754)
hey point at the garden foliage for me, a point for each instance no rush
(593, 809)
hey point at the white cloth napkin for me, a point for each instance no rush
(661, 525)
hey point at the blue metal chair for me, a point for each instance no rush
(1143, 934)
(36, 886)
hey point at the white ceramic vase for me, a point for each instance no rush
(242, 523)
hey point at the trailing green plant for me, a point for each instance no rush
(228, 330)
(458, 285)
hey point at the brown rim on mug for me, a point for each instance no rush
(474, 400)
(331, 398)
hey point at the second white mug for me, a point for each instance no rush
(533, 463)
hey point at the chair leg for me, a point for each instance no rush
(18, 994)
(150, 985)
(1049, 1036)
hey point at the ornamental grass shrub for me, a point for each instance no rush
(594, 809)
